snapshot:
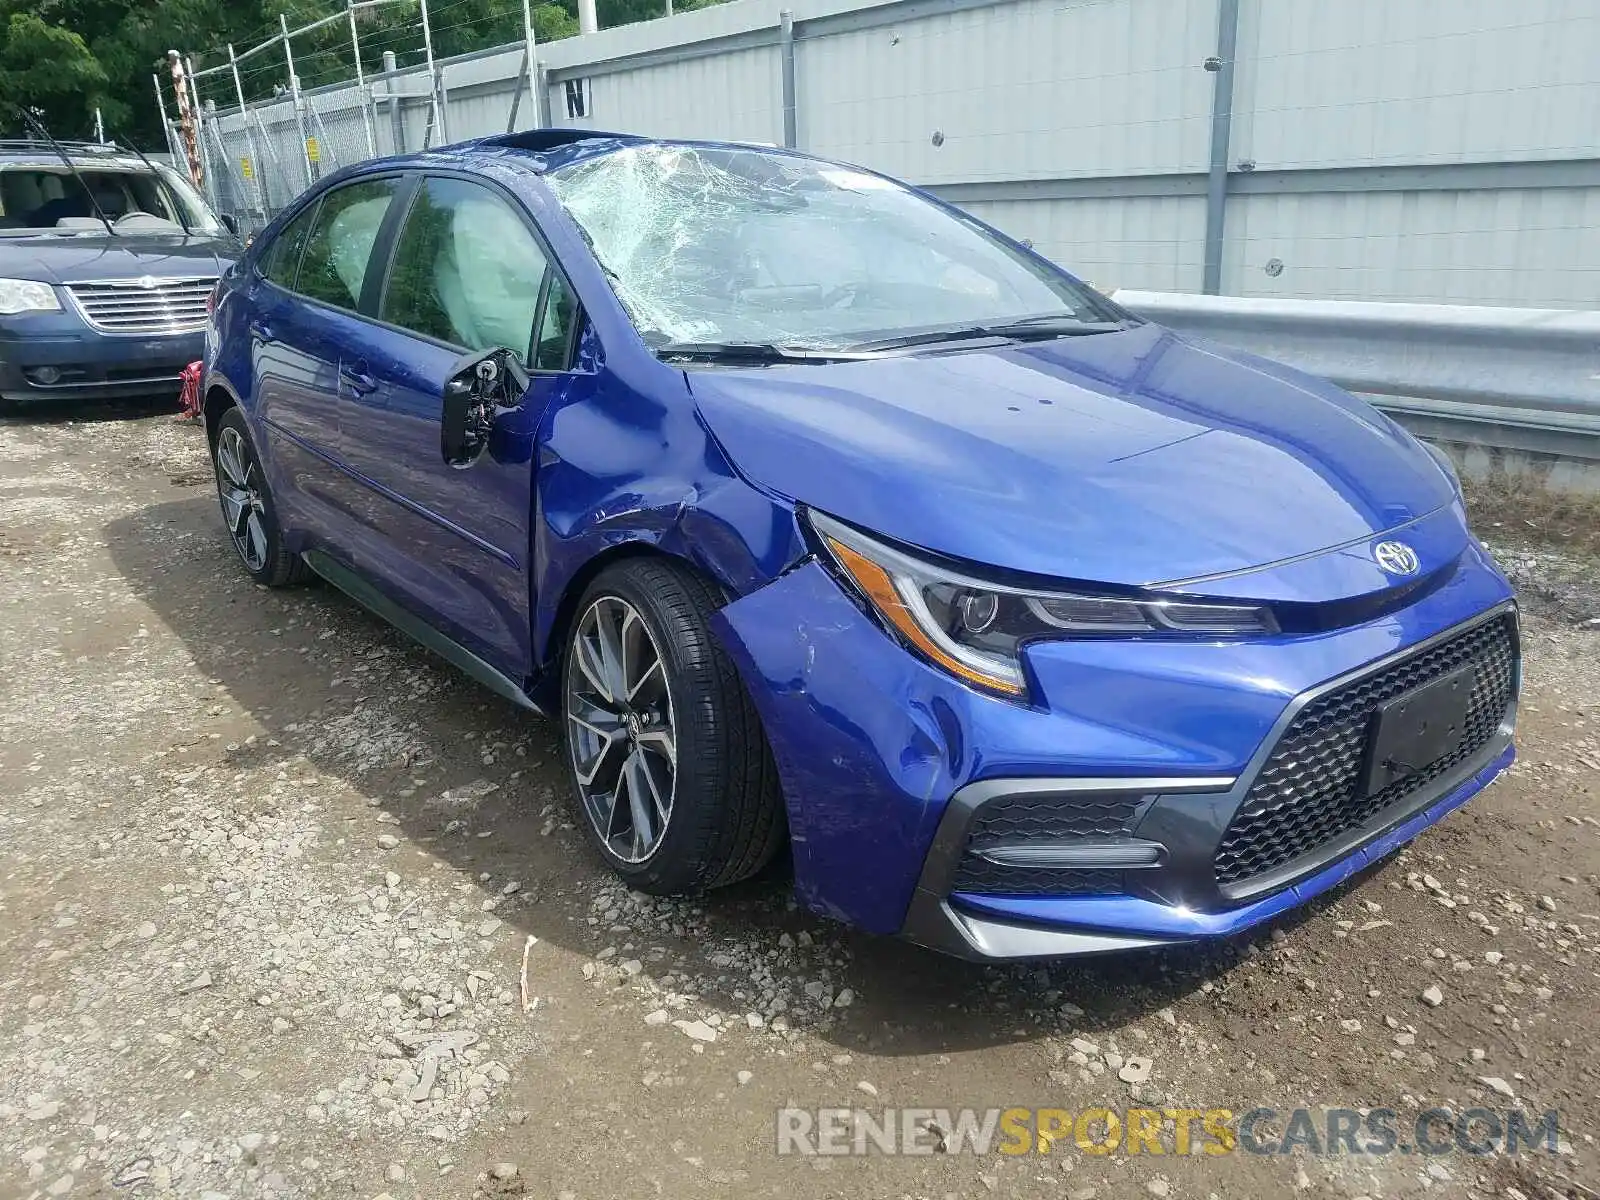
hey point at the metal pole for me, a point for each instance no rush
(786, 47)
(516, 93)
(99, 126)
(669, 8)
(588, 22)
(531, 44)
(278, 171)
(258, 186)
(294, 98)
(444, 107)
(435, 105)
(397, 121)
(166, 123)
(1221, 129)
(361, 84)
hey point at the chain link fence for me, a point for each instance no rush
(262, 135)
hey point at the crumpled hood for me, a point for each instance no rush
(1133, 458)
(86, 257)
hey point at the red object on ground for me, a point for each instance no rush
(190, 396)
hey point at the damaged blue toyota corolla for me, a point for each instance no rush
(817, 511)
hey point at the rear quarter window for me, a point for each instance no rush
(281, 260)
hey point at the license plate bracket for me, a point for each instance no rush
(1415, 730)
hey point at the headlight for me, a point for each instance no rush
(26, 295)
(976, 629)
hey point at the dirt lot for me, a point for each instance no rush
(268, 875)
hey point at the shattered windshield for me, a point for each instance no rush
(737, 246)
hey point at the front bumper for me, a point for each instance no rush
(886, 761)
(1001, 927)
(87, 365)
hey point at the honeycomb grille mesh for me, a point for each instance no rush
(1310, 790)
(1013, 820)
(979, 876)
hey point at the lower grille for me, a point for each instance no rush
(1310, 792)
(1048, 819)
(144, 306)
(982, 877)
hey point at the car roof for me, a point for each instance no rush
(30, 152)
(544, 150)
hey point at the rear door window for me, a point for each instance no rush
(467, 269)
(282, 259)
(333, 268)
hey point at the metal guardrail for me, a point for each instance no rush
(1515, 378)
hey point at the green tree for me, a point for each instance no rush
(64, 58)
(51, 70)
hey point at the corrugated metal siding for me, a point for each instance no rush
(1144, 242)
(1534, 247)
(1324, 83)
(1030, 90)
(736, 97)
(481, 114)
(1035, 89)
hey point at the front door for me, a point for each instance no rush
(453, 544)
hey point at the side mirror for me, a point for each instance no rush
(480, 387)
(228, 223)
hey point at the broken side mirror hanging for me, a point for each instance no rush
(479, 389)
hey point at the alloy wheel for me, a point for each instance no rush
(621, 728)
(242, 503)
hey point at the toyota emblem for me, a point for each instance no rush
(148, 282)
(1396, 558)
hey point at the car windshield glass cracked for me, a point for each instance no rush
(735, 245)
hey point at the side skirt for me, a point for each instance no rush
(452, 651)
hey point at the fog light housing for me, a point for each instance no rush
(45, 376)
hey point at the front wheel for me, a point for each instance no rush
(669, 763)
(247, 508)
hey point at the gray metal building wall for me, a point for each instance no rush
(1431, 150)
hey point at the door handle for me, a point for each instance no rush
(261, 330)
(357, 380)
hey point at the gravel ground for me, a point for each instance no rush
(271, 881)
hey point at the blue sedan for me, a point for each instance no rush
(819, 513)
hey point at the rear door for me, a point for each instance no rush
(468, 272)
(303, 307)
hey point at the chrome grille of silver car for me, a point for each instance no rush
(144, 305)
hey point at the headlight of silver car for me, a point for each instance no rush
(26, 295)
(975, 629)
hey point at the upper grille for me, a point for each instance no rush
(1310, 790)
(1051, 818)
(128, 306)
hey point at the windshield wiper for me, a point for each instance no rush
(757, 353)
(1029, 329)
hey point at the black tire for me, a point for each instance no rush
(726, 819)
(277, 567)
